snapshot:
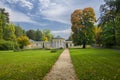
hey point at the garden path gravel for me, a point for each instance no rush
(63, 68)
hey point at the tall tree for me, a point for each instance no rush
(47, 35)
(97, 34)
(107, 36)
(70, 37)
(9, 32)
(31, 34)
(82, 25)
(110, 20)
(4, 20)
(19, 31)
(39, 35)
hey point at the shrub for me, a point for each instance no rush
(23, 41)
(7, 45)
(16, 48)
(116, 47)
(53, 50)
(47, 49)
(61, 48)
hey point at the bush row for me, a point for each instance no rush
(8, 45)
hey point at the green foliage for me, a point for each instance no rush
(31, 34)
(7, 45)
(82, 25)
(77, 37)
(110, 22)
(96, 64)
(47, 34)
(53, 50)
(9, 32)
(39, 35)
(107, 36)
(23, 41)
(19, 31)
(70, 37)
(26, 65)
(1, 31)
(4, 19)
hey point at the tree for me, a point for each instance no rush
(82, 25)
(4, 20)
(19, 31)
(70, 37)
(107, 36)
(9, 32)
(31, 34)
(97, 34)
(23, 41)
(110, 21)
(39, 35)
(45, 38)
(47, 35)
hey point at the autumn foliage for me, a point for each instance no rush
(23, 41)
(82, 23)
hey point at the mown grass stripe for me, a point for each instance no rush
(96, 64)
(26, 65)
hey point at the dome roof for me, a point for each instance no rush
(58, 37)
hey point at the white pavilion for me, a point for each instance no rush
(57, 42)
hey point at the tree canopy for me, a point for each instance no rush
(40, 35)
(82, 25)
(10, 33)
(4, 20)
(110, 22)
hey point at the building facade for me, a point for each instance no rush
(56, 42)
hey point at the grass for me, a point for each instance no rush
(26, 65)
(96, 64)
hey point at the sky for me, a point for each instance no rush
(54, 15)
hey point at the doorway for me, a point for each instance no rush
(66, 45)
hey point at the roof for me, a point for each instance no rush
(58, 37)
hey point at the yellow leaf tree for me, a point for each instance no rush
(97, 34)
(23, 41)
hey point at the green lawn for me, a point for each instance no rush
(96, 64)
(26, 65)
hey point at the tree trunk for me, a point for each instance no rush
(43, 45)
(84, 45)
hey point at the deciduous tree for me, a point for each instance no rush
(19, 31)
(47, 34)
(97, 34)
(39, 35)
(4, 20)
(9, 32)
(23, 41)
(110, 20)
(82, 25)
(31, 34)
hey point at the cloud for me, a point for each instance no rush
(63, 33)
(55, 11)
(51, 12)
(22, 3)
(62, 9)
(25, 3)
(44, 3)
(16, 16)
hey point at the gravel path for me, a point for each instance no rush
(62, 69)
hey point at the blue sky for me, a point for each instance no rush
(47, 14)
